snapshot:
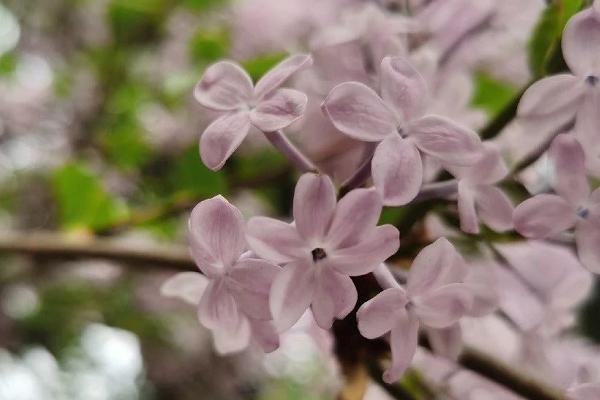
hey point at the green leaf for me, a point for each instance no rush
(491, 95)
(544, 43)
(257, 67)
(189, 175)
(82, 201)
(209, 46)
(136, 21)
(8, 63)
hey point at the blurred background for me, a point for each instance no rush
(99, 138)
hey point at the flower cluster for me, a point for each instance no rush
(258, 279)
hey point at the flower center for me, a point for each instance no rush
(582, 212)
(318, 254)
(401, 132)
(591, 80)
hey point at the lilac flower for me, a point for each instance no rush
(225, 86)
(327, 244)
(546, 215)
(232, 291)
(586, 391)
(477, 195)
(435, 297)
(397, 121)
(561, 97)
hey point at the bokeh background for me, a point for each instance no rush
(99, 138)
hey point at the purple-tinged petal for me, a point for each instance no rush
(587, 237)
(264, 334)
(445, 140)
(314, 205)
(443, 306)
(355, 215)
(581, 43)
(249, 281)
(376, 316)
(186, 286)
(568, 160)
(494, 207)
(377, 245)
(218, 309)
(335, 297)
(587, 129)
(436, 264)
(586, 391)
(446, 342)
(356, 110)
(403, 87)
(280, 73)
(548, 96)
(291, 294)
(403, 340)
(278, 110)
(543, 215)
(222, 137)
(489, 168)
(275, 240)
(397, 170)
(232, 340)
(466, 208)
(225, 86)
(216, 234)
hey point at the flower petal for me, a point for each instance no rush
(587, 237)
(581, 43)
(264, 334)
(586, 391)
(279, 110)
(403, 340)
(444, 306)
(291, 294)
(494, 207)
(552, 95)
(280, 73)
(376, 316)
(275, 240)
(446, 342)
(403, 87)
(436, 264)
(335, 297)
(466, 208)
(587, 128)
(356, 214)
(218, 309)
(445, 140)
(314, 205)
(249, 281)
(568, 161)
(232, 340)
(225, 86)
(222, 137)
(377, 245)
(216, 234)
(186, 286)
(489, 168)
(543, 215)
(356, 110)
(397, 170)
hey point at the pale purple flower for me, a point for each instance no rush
(435, 297)
(545, 215)
(396, 120)
(562, 97)
(478, 197)
(233, 290)
(326, 245)
(226, 87)
(586, 391)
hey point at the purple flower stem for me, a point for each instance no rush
(291, 152)
(362, 174)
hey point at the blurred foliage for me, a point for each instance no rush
(257, 67)
(491, 95)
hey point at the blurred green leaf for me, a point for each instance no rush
(491, 95)
(8, 63)
(257, 67)
(189, 175)
(209, 46)
(203, 5)
(82, 201)
(125, 146)
(137, 21)
(545, 40)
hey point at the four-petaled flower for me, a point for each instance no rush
(232, 293)
(397, 121)
(545, 215)
(435, 297)
(225, 86)
(326, 245)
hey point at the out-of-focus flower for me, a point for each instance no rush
(327, 244)
(396, 120)
(587, 391)
(233, 290)
(435, 297)
(225, 86)
(546, 215)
